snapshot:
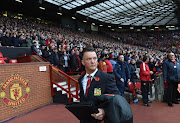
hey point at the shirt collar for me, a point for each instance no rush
(92, 74)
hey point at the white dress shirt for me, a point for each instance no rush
(85, 79)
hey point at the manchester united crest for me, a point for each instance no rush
(16, 91)
(18, 88)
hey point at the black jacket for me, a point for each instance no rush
(171, 72)
(55, 59)
(34, 48)
(74, 62)
(62, 62)
(105, 83)
(132, 68)
(117, 109)
(121, 70)
(45, 54)
(6, 41)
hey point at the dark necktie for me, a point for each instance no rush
(88, 84)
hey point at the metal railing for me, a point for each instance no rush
(159, 86)
(69, 78)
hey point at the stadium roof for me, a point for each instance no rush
(124, 12)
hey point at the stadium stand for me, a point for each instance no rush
(34, 40)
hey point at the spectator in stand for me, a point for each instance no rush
(43, 41)
(37, 41)
(152, 67)
(51, 47)
(171, 75)
(48, 41)
(34, 48)
(133, 71)
(64, 60)
(109, 65)
(122, 74)
(22, 41)
(68, 50)
(79, 60)
(29, 41)
(59, 41)
(128, 60)
(139, 61)
(80, 52)
(80, 55)
(111, 59)
(15, 40)
(1, 33)
(75, 61)
(102, 64)
(45, 52)
(145, 77)
(55, 57)
(6, 41)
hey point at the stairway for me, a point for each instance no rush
(59, 78)
(63, 94)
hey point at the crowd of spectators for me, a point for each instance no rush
(159, 40)
(63, 47)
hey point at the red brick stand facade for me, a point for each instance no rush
(23, 88)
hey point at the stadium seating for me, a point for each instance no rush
(1, 55)
(130, 89)
(138, 87)
(2, 61)
(13, 61)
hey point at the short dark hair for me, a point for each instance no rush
(87, 49)
(145, 58)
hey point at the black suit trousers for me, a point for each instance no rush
(172, 91)
(145, 90)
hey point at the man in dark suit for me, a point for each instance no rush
(122, 74)
(171, 75)
(55, 57)
(101, 83)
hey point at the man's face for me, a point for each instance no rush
(55, 50)
(67, 48)
(7, 34)
(90, 61)
(43, 47)
(171, 56)
(121, 58)
(72, 52)
(133, 61)
(77, 52)
(147, 60)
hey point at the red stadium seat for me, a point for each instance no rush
(1, 55)
(13, 61)
(2, 61)
(138, 87)
(130, 89)
(131, 86)
(4, 58)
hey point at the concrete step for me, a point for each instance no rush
(75, 100)
(60, 83)
(58, 89)
(65, 86)
(73, 88)
(54, 86)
